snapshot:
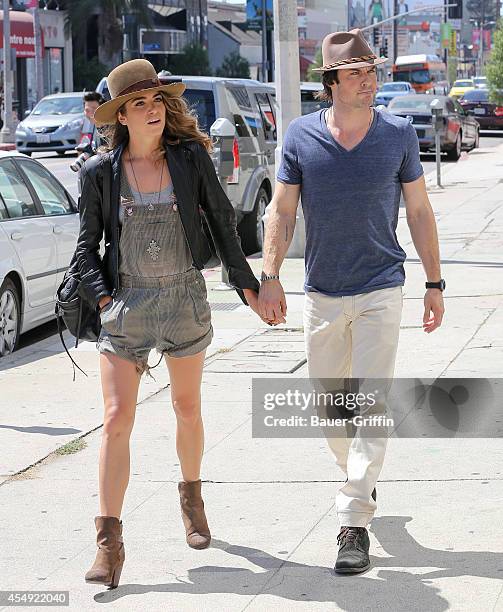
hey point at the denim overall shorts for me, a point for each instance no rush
(162, 298)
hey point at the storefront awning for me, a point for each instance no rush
(22, 35)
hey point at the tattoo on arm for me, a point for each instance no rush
(286, 233)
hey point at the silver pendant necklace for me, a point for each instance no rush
(150, 206)
(153, 248)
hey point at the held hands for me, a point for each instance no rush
(253, 299)
(433, 303)
(271, 306)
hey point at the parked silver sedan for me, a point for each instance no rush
(55, 124)
(39, 226)
(459, 130)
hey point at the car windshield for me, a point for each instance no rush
(420, 77)
(480, 80)
(463, 84)
(59, 106)
(415, 103)
(394, 87)
(476, 95)
(201, 101)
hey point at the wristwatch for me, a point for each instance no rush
(266, 277)
(440, 285)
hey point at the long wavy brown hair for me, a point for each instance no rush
(181, 125)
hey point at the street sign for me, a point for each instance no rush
(452, 43)
(254, 14)
(445, 34)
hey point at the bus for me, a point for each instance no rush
(426, 73)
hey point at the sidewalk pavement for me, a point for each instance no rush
(436, 540)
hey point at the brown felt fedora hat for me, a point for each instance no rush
(347, 50)
(127, 81)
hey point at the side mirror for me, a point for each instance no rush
(223, 133)
(26, 113)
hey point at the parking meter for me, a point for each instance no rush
(437, 110)
(223, 132)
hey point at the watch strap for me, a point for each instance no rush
(266, 277)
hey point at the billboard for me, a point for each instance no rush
(418, 32)
(254, 14)
(362, 13)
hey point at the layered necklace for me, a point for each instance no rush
(150, 205)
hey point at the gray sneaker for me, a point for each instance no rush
(354, 544)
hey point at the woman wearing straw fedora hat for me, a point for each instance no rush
(146, 194)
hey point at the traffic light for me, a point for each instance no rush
(375, 37)
(455, 12)
(385, 47)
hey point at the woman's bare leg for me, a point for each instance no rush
(185, 375)
(119, 381)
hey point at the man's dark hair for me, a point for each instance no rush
(328, 78)
(94, 96)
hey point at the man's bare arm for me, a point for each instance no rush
(422, 225)
(280, 226)
(423, 230)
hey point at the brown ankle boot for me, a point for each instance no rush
(192, 505)
(110, 557)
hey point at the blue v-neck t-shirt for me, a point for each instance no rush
(350, 200)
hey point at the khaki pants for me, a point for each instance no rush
(354, 336)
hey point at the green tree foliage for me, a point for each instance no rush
(87, 73)
(192, 61)
(494, 69)
(234, 66)
(110, 34)
(315, 77)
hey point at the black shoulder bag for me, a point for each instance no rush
(79, 317)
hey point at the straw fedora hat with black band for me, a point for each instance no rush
(127, 81)
(347, 50)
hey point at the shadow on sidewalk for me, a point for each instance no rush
(393, 589)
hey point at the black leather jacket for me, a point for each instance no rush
(196, 186)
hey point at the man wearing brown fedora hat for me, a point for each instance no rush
(350, 163)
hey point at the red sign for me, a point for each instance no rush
(22, 35)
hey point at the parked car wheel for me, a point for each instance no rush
(455, 153)
(251, 228)
(10, 317)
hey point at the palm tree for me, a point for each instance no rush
(110, 26)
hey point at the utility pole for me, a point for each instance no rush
(6, 134)
(394, 31)
(287, 78)
(481, 38)
(264, 41)
(39, 75)
(445, 51)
